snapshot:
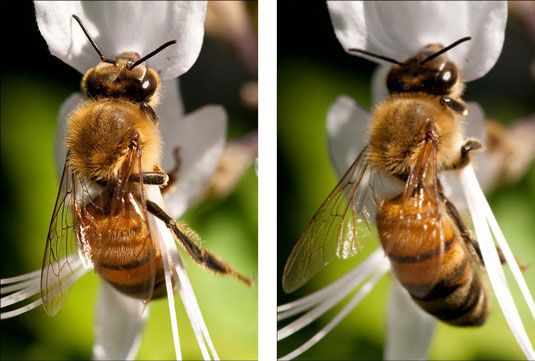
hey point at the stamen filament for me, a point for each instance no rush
(363, 292)
(16, 286)
(34, 288)
(366, 269)
(476, 200)
(185, 289)
(295, 307)
(23, 277)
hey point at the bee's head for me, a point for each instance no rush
(123, 77)
(118, 79)
(429, 71)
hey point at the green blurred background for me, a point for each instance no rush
(312, 71)
(33, 86)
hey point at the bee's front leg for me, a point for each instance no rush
(159, 177)
(151, 178)
(466, 148)
(454, 105)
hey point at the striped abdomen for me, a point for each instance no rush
(448, 288)
(122, 250)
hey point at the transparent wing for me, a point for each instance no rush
(415, 232)
(60, 260)
(335, 229)
(122, 247)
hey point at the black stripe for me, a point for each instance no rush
(137, 290)
(134, 264)
(457, 311)
(444, 287)
(422, 256)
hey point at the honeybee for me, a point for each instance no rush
(415, 134)
(102, 210)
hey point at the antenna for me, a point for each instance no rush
(390, 60)
(102, 58)
(151, 54)
(442, 51)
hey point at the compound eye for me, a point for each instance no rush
(446, 78)
(149, 84)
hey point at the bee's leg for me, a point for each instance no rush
(465, 232)
(152, 178)
(147, 109)
(199, 255)
(159, 177)
(469, 240)
(454, 105)
(521, 264)
(173, 173)
(466, 148)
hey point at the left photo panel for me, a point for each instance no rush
(129, 191)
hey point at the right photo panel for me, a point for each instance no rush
(406, 185)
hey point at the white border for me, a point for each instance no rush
(267, 180)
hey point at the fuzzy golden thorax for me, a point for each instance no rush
(99, 133)
(398, 130)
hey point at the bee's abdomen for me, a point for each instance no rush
(122, 251)
(135, 277)
(458, 298)
(447, 287)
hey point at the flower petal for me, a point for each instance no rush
(170, 107)
(200, 137)
(379, 89)
(409, 330)
(347, 126)
(119, 324)
(398, 29)
(118, 26)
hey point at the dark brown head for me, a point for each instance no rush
(124, 77)
(429, 71)
(120, 80)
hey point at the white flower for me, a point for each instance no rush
(141, 27)
(398, 30)
(118, 26)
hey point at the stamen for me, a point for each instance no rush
(476, 203)
(21, 295)
(509, 257)
(161, 230)
(185, 289)
(33, 287)
(365, 269)
(192, 309)
(20, 311)
(363, 292)
(17, 286)
(292, 308)
(23, 277)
